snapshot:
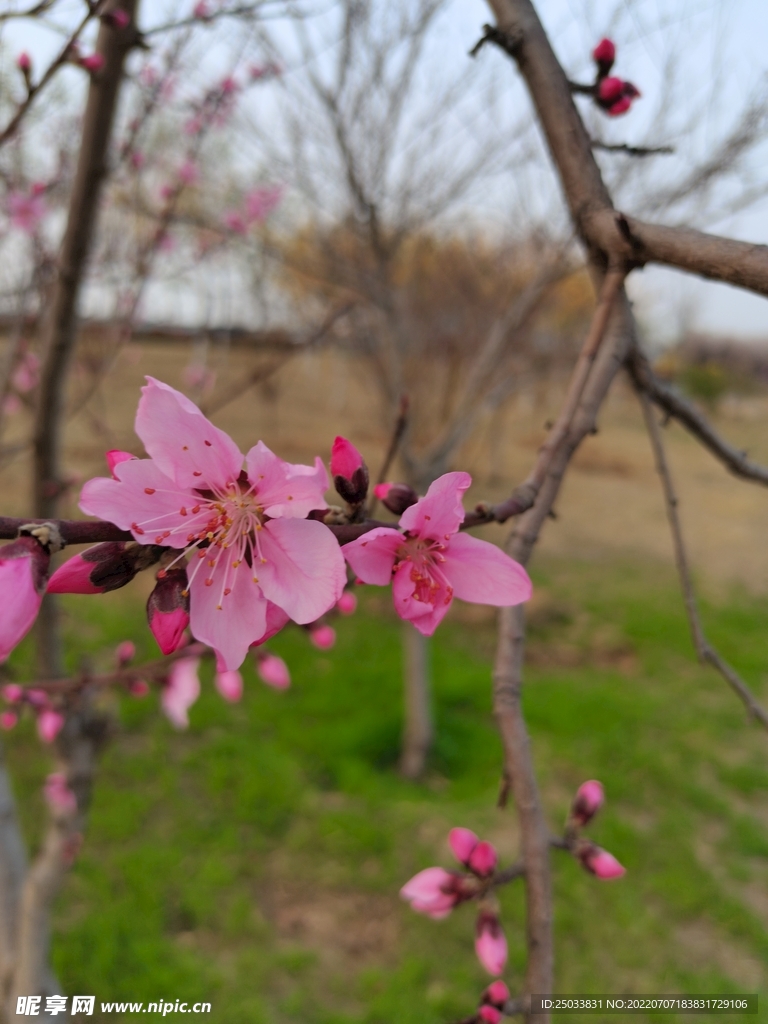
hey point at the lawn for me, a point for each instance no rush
(254, 861)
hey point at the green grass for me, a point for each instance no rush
(255, 860)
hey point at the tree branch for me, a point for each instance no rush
(704, 649)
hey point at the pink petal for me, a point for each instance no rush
(231, 623)
(140, 494)
(74, 577)
(273, 671)
(425, 617)
(49, 725)
(229, 685)
(114, 457)
(483, 859)
(303, 571)
(19, 601)
(491, 943)
(276, 620)
(345, 458)
(462, 841)
(181, 691)
(481, 572)
(183, 443)
(285, 489)
(440, 512)
(372, 556)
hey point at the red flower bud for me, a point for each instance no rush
(396, 497)
(349, 472)
(604, 54)
(587, 802)
(168, 609)
(103, 567)
(496, 994)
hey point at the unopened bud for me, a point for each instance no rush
(599, 862)
(8, 720)
(496, 994)
(13, 693)
(323, 637)
(489, 1014)
(272, 670)
(138, 688)
(604, 54)
(103, 567)
(347, 603)
(93, 63)
(483, 859)
(490, 942)
(125, 652)
(587, 802)
(349, 471)
(117, 19)
(396, 497)
(168, 608)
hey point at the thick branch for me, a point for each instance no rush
(674, 404)
(704, 650)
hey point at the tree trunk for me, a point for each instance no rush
(418, 731)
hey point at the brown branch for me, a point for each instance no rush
(523, 497)
(397, 435)
(674, 404)
(704, 649)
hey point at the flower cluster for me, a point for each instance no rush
(613, 95)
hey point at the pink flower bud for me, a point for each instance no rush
(462, 841)
(604, 54)
(587, 802)
(601, 863)
(615, 96)
(23, 571)
(8, 719)
(434, 892)
(201, 11)
(323, 637)
(117, 19)
(349, 472)
(490, 942)
(396, 497)
(497, 994)
(74, 577)
(93, 63)
(139, 688)
(125, 652)
(489, 1014)
(49, 724)
(273, 671)
(58, 795)
(229, 685)
(262, 201)
(610, 90)
(620, 107)
(114, 457)
(13, 693)
(168, 609)
(37, 698)
(347, 603)
(100, 568)
(181, 691)
(482, 860)
(24, 62)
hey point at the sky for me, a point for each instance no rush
(716, 41)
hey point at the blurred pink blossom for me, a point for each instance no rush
(49, 724)
(125, 652)
(323, 637)
(8, 720)
(490, 942)
(260, 202)
(273, 671)
(229, 685)
(181, 691)
(58, 794)
(347, 603)
(26, 209)
(27, 373)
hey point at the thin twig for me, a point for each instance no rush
(397, 435)
(623, 147)
(704, 649)
(674, 404)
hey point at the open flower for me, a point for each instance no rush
(430, 563)
(246, 529)
(181, 691)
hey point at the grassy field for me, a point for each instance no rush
(255, 860)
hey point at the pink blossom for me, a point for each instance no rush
(601, 863)
(345, 458)
(58, 795)
(433, 891)
(347, 603)
(49, 724)
(139, 688)
(13, 693)
(245, 529)
(235, 222)
(23, 571)
(117, 19)
(490, 942)
(24, 62)
(604, 54)
(8, 720)
(462, 842)
(27, 373)
(181, 691)
(430, 563)
(125, 652)
(114, 457)
(189, 172)
(323, 637)
(587, 802)
(497, 994)
(261, 202)
(25, 209)
(93, 63)
(483, 859)
(489, 1014)
(273, 671)
(229, 685)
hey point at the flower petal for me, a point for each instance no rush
(425, 617)
(183, 443)
(284, 489)
(231, 623)
(440, 512)
(303, 572)
(372, 556)
(19, 602)
(481, 572)
(143, 495)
